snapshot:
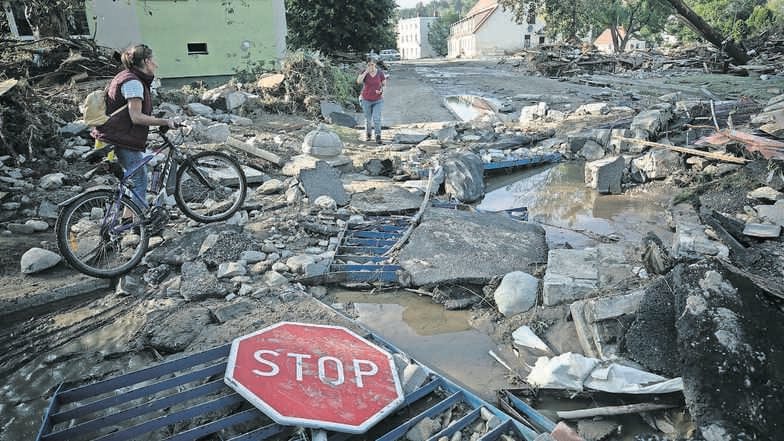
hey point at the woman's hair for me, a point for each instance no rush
(371, 59)
(134, 56)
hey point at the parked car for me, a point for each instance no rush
(389, 55)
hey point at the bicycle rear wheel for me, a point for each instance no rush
(210, 187)
(101, 236)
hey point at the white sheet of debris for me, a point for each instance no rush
(576, 372)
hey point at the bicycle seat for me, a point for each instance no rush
(96, 155)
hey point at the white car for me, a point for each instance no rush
(389, 55)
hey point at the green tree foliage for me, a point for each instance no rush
(438, 8)
(438, 36)
(340, 25)
(49, 18)
(737, 19)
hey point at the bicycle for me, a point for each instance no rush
(103, 233)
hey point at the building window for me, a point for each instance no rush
(541, 40)
(197, 49)
(527, 41)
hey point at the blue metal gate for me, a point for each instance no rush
(186, 399)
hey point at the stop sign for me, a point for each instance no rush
(315, 376)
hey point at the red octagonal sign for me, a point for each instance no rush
(315, 376)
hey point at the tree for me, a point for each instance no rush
(629, 17)
(438, 36)
(49, 18)
(353, 25)
(709, 33)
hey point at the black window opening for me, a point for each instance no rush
(197, 49)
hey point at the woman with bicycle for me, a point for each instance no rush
(129, 104)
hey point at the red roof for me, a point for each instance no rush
(606, 37)
(482, 5)
(481, 11)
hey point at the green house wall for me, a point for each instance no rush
(237, 33)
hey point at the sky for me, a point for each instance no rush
(409, 3)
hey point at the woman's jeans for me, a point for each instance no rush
(372, 111)
(129, 159)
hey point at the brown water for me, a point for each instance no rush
(442, 340)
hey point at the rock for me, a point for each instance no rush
(763, 231)
(293, 195)
(591, 151)
(318, 292)
(414, 376)
(154, 276)
(274, 279)
(464, 174)
(516, 293)
(214, 133)
(772, 213)
(272, 186)
(446, 135)
(690, 240)
(328, 107)
(379, 167)
(605, 175)
(697, 163)
(238, 218)
(529, 114)
(198, 283)
(51, 181)
(409, 137)
(231, 269)
(423, 430)
(322, 142)
(280, 267)
(73, 128)
(130, 285)
(656, 164)
(20, 228)
(618, 146)
(252, 256)
(650, 123)
(297, 264)
(430, 146)
(37, 225)
(235, 100)
(325, 203)
(766, 194)
(200, 109)
(323, 180)
(655, 257)
(571, 275)
(385, 200)
(47, 210)
(240, 120)
(593, 109)
(270, 81)
(343, 119)
(36, 260)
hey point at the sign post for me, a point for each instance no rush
(315, 376)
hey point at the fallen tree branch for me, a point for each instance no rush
(695, 152)
(415, 220)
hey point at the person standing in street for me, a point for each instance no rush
(373, 83)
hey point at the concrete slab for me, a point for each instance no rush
(389, 199)
(765, 231)
(299, 162)
(604, 175)
(323, 180)
(451, 245)
(571, 275)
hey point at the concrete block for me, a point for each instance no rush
(605, 174)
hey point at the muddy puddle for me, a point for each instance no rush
(570, 212)
(443, 340)
(469, 107)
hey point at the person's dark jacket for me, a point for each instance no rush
(119, 129)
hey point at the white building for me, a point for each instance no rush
(412, 39)
(488, 29)
(604, 41)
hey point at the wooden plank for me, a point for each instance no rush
(256, 151)
(719, 156)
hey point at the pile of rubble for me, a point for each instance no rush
(557, 60)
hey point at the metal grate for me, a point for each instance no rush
(186, 399)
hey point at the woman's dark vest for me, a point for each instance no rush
(119, 129)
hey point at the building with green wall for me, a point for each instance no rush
(193, 38)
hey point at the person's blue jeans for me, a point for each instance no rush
(129, 159)
(372, 111)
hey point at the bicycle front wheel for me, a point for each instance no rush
(102, 236)
(210, 187)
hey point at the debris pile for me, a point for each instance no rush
(304, 80)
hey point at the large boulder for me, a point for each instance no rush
(38, 259)
(516, 293)
(464, 174)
